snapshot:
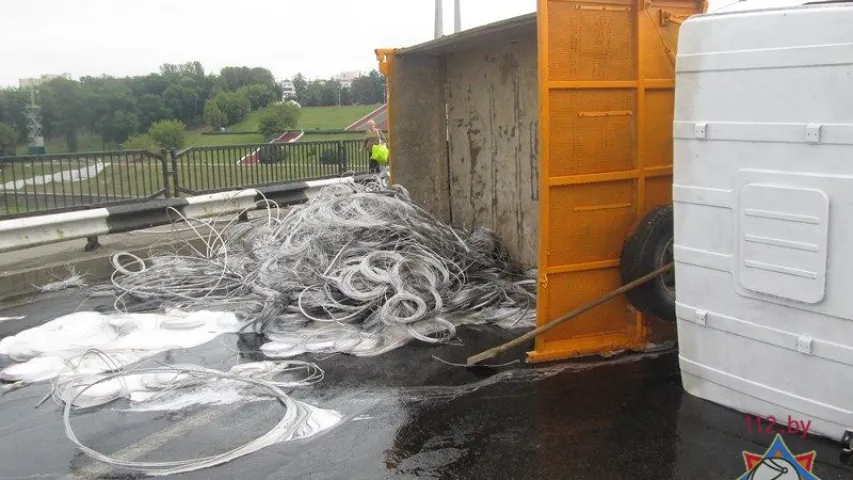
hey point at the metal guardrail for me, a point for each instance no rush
(44, 183)
(39, 184)
(21, 233)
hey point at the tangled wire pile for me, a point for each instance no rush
(359, 268)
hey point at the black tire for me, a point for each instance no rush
(649, 248)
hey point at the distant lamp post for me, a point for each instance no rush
(457, 17)
(439, 19)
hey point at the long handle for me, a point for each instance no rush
(475, 359)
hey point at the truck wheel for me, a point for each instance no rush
(649, 248)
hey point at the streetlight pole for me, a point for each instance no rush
(439, 19)
(457, 17)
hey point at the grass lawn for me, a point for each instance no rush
(196, 139)
(331, 118)
(313, 118)
(86, 143)
(331, 137)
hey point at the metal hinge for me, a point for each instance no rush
(813, 133)
(700, 317)
(804, 344)
(667, 17)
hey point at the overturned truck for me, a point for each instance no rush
(553, 129)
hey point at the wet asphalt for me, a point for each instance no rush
(409, 415)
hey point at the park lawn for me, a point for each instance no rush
(331, 137)
(248, 124)
(312, 118)
(86, 143)
(332, 118)
(196, 139)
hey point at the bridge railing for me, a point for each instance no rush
(216, 168)
(38, 184)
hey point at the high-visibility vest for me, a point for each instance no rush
(379, 151)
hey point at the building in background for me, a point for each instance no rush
(288, 90)
(346, 78)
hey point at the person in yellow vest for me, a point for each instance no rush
(374, 144)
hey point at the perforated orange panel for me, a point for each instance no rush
(606, 80)
(595, 131)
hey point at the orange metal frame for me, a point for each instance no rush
(606, 82)
(385, 58)
(606, 85)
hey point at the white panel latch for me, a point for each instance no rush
(813, 133)
(804, 344)
(700, 130)
(700, 316)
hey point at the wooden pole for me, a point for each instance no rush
(475, 359)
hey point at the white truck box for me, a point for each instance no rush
(763, 206)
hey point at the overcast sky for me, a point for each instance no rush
(319, 38)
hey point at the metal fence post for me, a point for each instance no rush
(92, 244)
(342, 161)
(164, 164)
(175, 180)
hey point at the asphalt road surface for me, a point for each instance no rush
(410, 416)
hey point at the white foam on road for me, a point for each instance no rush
(59, 346)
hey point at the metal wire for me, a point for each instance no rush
(357, 254)
(295, 416)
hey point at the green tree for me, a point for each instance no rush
(126, 124)
(278, 118)
(299, 84)
(151, 84)
(13, 102)
(232, 78)
(184, 102)
(140, 141)
(66, 106)
(361, 91)
(313, 96)
(377, 87)
(8, 140)
(109, 97)
(168, 133)
(369, 89)
(235, 106)
(259, 96)
(213, 115)
(346, 96)
(152, 109)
